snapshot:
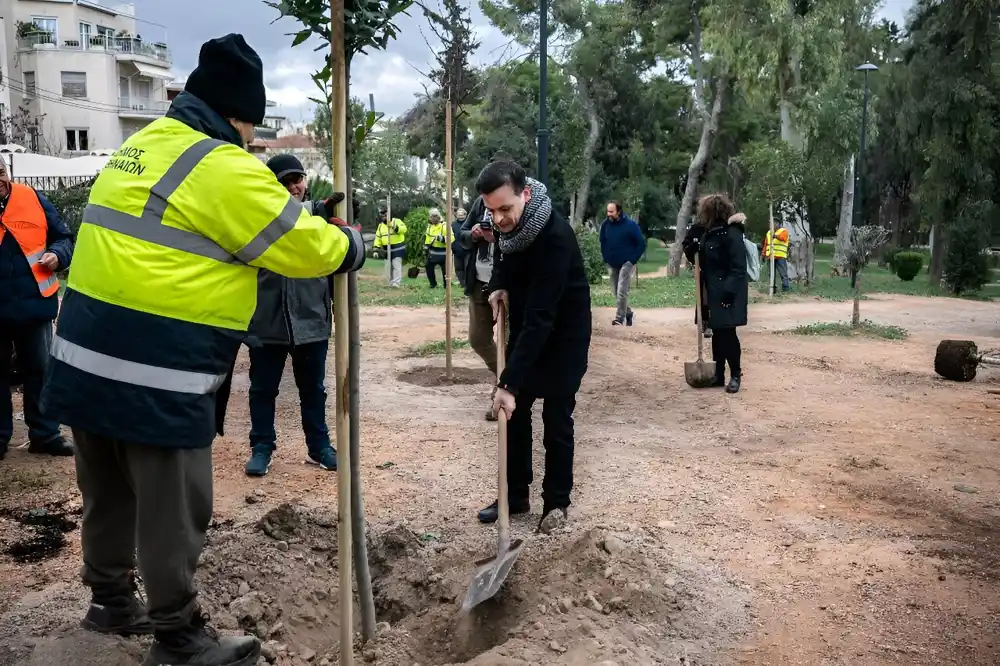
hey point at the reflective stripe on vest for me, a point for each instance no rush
(149, 225)
(137, 374)
(777, 246)
(25, 219)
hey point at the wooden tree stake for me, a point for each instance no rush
(449, 167)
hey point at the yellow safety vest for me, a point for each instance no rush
(164, 283)
(436, 241)
(778, 247)
(397, 239)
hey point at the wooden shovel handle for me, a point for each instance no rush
(503, 510)
(697, 306)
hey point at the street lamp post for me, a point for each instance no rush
(543, 91)
(859, 189)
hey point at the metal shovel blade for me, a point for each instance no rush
(699, 374)
(490, 575)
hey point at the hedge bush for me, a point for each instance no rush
(590, 247)
(907, 265)
(889, 255)
(416, 233)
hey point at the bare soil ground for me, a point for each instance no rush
(844, 508)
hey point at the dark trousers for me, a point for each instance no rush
(481, 326)
(267, 363)
(432, 274)
(557, 419)
(153, 499)
(781, 268)
(31, 341)
(726, 349)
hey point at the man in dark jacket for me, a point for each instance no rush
(293, 318)
(622, 245)
(540, 275)
(35, 243)
(458, 252)
(476, 237)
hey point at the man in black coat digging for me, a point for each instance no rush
(539, 274)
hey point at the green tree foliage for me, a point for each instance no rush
(70, 202)
(590, 248)
(416, 234)
(966, 264)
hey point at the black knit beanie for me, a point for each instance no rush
(230, 79)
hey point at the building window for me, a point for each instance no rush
(85, 31)
(29, 85)
(77, 140)
(47, 26)
(74, 84)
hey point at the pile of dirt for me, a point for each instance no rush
(432, 376)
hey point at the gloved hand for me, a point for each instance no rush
(330, 205)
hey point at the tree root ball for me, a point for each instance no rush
(956, 360)
(413, 272)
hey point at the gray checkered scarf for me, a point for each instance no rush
(536, 215)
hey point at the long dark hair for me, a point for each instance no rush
(714, 210)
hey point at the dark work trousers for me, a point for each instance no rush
(460, 271)
(726, 349)
(152, 498)
(267, 364)
(432, 273)
(557, 419)
(31, 341)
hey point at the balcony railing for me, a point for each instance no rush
(138, 106)
(108, 43)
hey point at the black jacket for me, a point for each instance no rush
(550, 320)
(723, 273)
(471, 246)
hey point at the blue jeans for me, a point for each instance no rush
(267, 364)
(781, 267)
(31, 341)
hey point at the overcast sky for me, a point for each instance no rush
(391, 75)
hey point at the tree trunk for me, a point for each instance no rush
(583, 193)
(793, 214)
(938, 245)
(843, 243)
(856, 314)
(696, 169)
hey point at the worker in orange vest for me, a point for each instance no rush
(780, 249)
(34, 244)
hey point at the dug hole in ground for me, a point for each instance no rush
(843, 508)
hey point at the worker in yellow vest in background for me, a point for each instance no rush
(393, 242)
(780, 249)
(436, 246)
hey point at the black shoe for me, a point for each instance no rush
(719, 382)
(491, 513)
(629, 318)
(3, 450)
(53, 447)
(200, 645)
(123, 615)
(617, 322)
(734, 385)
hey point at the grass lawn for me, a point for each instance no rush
(436, 348)
(656, 256)
(844, 329)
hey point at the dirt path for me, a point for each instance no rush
(842, 509)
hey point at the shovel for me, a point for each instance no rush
(491, 573)
(700, 373)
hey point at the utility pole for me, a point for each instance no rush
(543, 91)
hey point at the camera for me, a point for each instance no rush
(487, 223)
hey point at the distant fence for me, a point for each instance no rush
(51, 183)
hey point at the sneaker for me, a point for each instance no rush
(617, 322)
(552, 520)
(734, 385)
(124, 616)
(198, 644)
(630, 318)
(54, 447)
(492, 513)
(325, 459)
(260, 460)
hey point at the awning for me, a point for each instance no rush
(153, 72)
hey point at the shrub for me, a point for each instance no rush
(907, 265)
(966, 265)
(416, 233)
(889, 257)
(590, 247)
(70, 202)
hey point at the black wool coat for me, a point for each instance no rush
(723, 273)
(550, 319)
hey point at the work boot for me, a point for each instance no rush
(117, 611)
(3, 449)
(56, 446)
(325, 459)
(617, 322)
(630, 318)
(492, 513)
(552, 520)
(200, 645)
(734, 384)
(260, 460)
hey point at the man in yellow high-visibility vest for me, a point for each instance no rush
(163, 288)
(436, 247)
(780, 250)
(390, 239)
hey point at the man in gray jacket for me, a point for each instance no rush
(293, 318)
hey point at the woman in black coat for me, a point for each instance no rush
(717, 239)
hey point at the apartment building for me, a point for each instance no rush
(84, 70)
